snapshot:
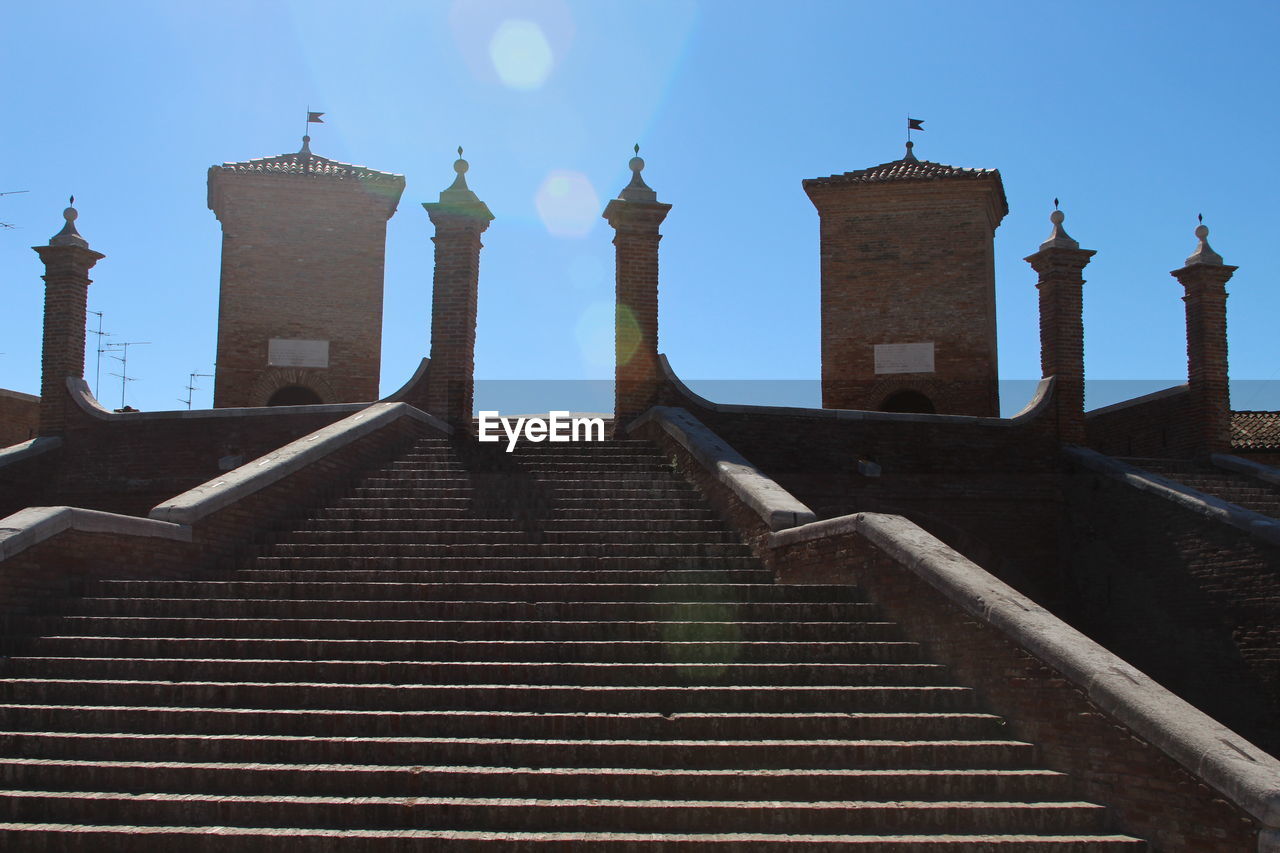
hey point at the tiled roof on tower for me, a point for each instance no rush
(909, 168)
(303, 162)
(1255, 430)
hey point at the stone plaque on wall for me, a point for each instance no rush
(286, 352)
(904, 358)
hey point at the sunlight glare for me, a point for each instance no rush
(567, 204)
(521, 54)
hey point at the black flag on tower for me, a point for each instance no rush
(915, 124)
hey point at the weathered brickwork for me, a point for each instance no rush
(1193, 603)
(130, 464)
(303, 243)
(909, 259)
(19, 415)
(1209, 406)
(62, 565)
(1062, 328)
(1150, 795)
(1159, 426)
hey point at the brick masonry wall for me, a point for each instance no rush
(1158, 428)
(129, 466)
(19, 415)
(1150, 795)
(61, 566)
(1193, 603)
(991, 492)
(909, 262)
(302, 258)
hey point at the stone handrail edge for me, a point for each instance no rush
(1240, 465)
(207, 498)
(15, 453)
(35, 524)
(1215, 754)
(1038, 403)
(775, 505)
(1216, 509)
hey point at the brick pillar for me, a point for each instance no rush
(1059, 264)
(460, 218)
(67, 261)
(635, 216)
(1205, 277)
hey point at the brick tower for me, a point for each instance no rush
(908, 287)
(300, 307)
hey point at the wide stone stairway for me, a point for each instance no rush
(561, 648)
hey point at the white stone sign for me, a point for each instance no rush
(286, 352)
(904, 358)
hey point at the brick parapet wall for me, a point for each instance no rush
(1192, 601)
(19, 416)
(222, 540)
(129, 463)
(988, 488)
(1150, 795)
(1156, 425)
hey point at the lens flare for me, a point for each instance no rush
(520, 54)
(628, 334)
(567, 204)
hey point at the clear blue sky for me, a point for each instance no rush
(1137, 115)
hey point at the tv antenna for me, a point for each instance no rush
(192, 388)
(97, 378)
(123, 358)
(11, 192)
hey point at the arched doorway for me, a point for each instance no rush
(294, 395)
(908, 401)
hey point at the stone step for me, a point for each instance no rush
(476, 591)
(639, 576)
(270, 627)
(563, 536)
(471, 724)
(535, 563)
(554, 782)
(350, 509)
(543, 698)
(460, 672)
(522, 814)
(81, 838)
(493, 611)
(619, 651)
(482, 527)
(676, 552)
(677, 754)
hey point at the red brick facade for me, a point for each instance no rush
(19, 415)
(1210, 400)
(907, 258)
(303, 243)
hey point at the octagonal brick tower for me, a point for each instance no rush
(300, 305)
(908, 287)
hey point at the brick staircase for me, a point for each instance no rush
(556, 649)
(1236, 488)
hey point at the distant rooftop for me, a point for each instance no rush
(1255, 430)
(305, 163)
(909, 169)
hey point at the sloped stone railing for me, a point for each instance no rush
(53, 550)
(1171, 774)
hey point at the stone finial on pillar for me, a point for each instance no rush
(635, 216)
(460, 218)
(1059, 263)
(1204, 278)
(67, 261)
